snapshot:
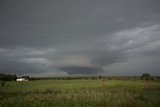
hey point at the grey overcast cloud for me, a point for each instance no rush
(80, 37)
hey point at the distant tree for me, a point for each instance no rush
(14, 77)
(146, 76)
(100, 77)
(26, 77)
(68, 78)
(8, 77)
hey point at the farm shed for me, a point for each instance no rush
(22, 79)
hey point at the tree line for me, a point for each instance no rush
(145, 76)
(8, 77)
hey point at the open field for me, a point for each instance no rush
(80, 93)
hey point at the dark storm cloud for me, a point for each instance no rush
(79, 36)
(82, 70)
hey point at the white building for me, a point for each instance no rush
(22, 79)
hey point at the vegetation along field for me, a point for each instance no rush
(80, 93)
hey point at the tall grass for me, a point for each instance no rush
(80, 93)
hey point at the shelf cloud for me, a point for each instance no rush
(79, 37)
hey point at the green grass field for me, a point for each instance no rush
(80, 93)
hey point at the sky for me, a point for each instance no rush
(80, 37)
